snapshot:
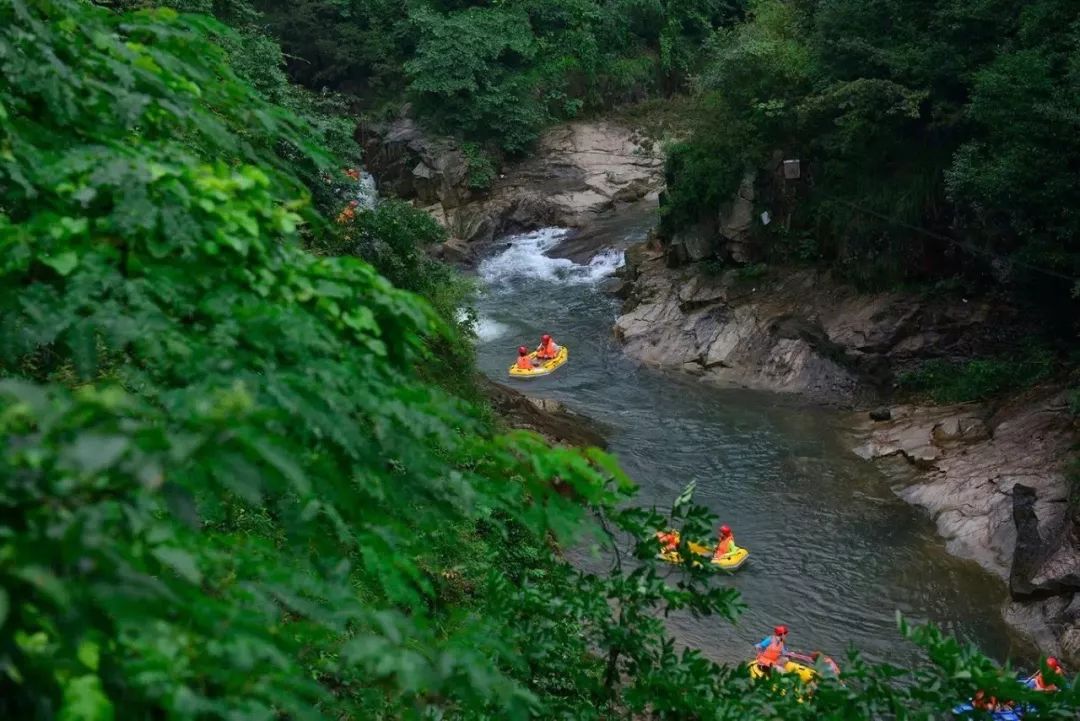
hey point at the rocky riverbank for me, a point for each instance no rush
(549, 418)
(791, 330)
(579, 174)
(994, 477)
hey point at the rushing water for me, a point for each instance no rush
(834, 554)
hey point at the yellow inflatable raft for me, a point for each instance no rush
(540, 368)
(731, 561)
(805, 673)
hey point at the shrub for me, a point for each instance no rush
(980, 379)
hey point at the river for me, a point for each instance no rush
(834, 553)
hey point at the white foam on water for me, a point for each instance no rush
(483, 327)
(489, 329)
(526, 259)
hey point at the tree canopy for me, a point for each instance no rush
(958, 119)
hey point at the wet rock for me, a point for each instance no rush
(881, 414)
(959, 430)
(409, 163)
(860, 342)
(455, 251)
(619, 288)
(1029, 551)
(969, 462)
(701, 290)
(681, 318)
(547, 417)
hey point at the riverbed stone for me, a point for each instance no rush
(881, 414)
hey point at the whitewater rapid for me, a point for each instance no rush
(526, 258)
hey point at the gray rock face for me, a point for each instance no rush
(794, 330)
(409, 163)
(737, 220)
(996, 485)
(724, 329)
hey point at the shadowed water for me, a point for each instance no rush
(834, 554)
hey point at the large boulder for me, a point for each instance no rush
(410, 163)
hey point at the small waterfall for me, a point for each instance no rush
(367, 195)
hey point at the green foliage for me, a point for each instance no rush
(231, 503)
(704, 173)
(469, 73)
(940, 115)
(395, 238)
(229, 491)
(948, 382)
(754, 271)
(496, 72)
(481, 169)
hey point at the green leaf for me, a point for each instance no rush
(63, 263)
(85, 700)
(180, 561)
(89, 654)
(92, 453)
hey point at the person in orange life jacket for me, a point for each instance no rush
(989, 703)
(725, 543)
(669, 540)
(1041, 684)
(819, 656)
(771, 649)
(547, 348)
(524, 362)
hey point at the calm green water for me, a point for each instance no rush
(834, 554)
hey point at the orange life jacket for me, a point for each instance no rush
(724, 547)
(1042, 685)
(772, 653)
(547, 350)
(668, 541)
(524, 362)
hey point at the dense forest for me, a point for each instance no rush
(937, 139)
(233, 488)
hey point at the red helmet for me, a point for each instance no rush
(780, 630)
(725, 530)
(1053, 663)
(522, 350)
(545, 338)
